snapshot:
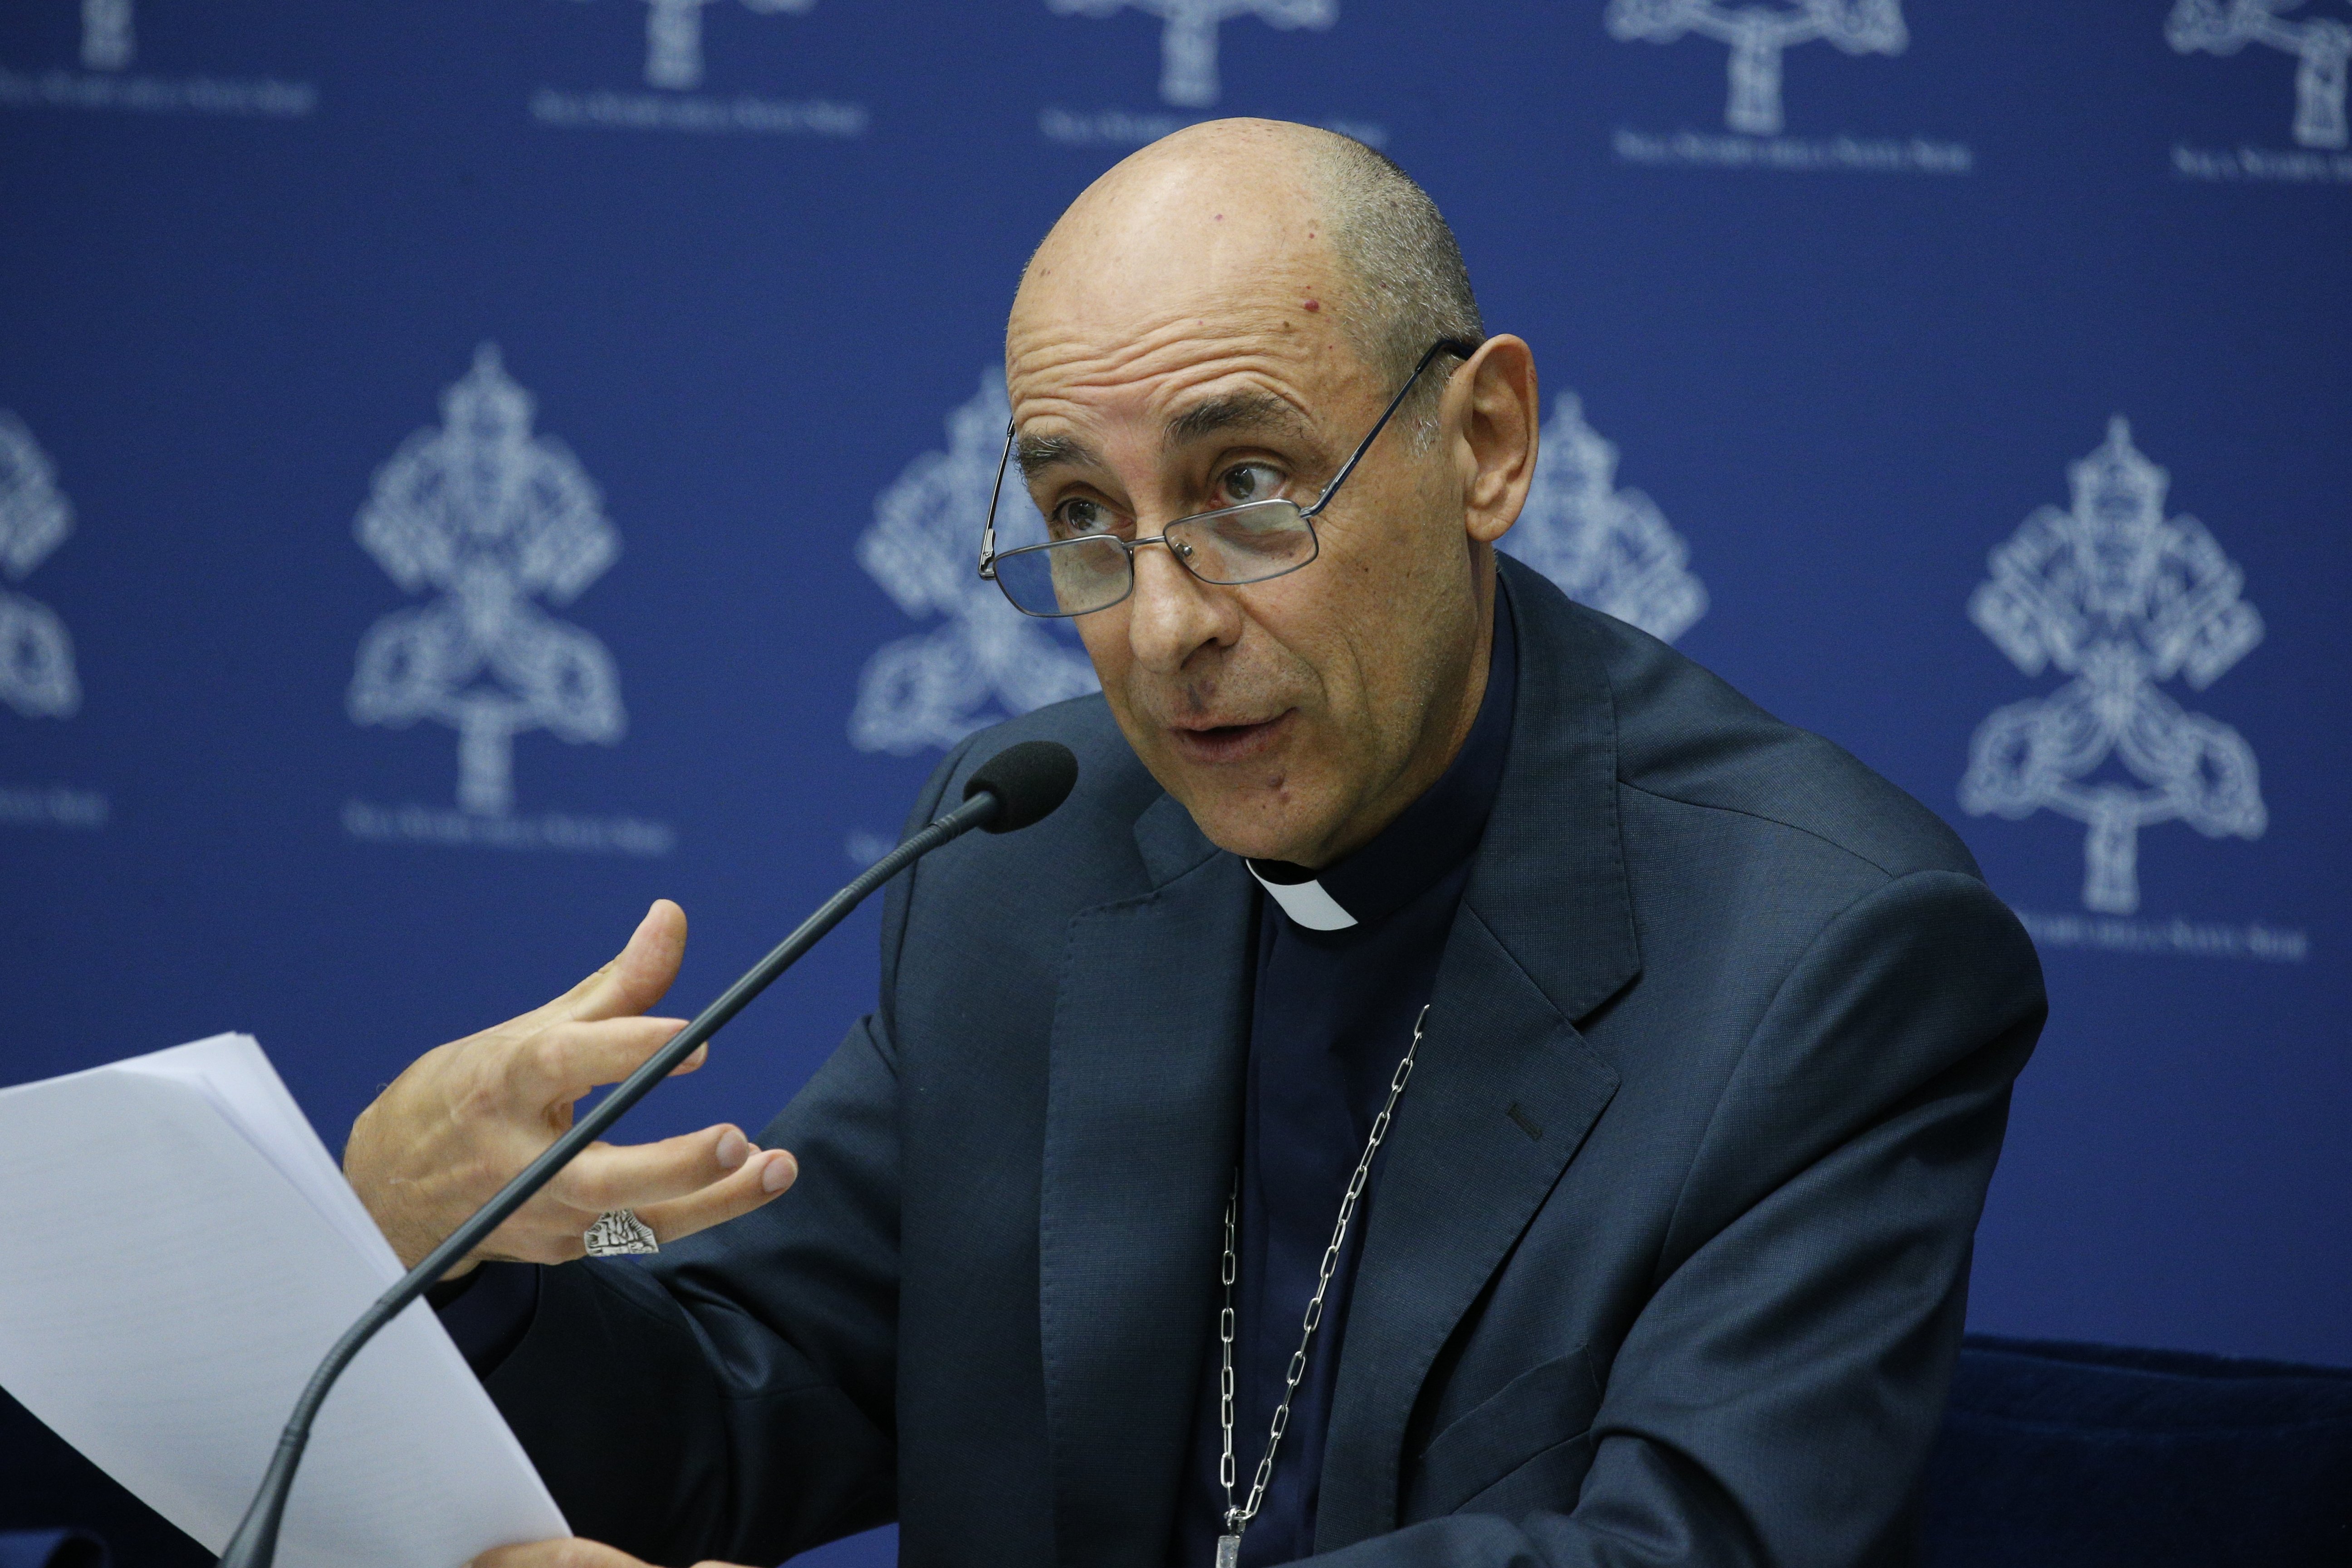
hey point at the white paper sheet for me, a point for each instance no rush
(177, 1249)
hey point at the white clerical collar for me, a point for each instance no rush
(1306, 901)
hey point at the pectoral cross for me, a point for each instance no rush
(1229, 1552)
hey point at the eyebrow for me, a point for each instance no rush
(1239, 410)
(1235, 410)
(1032, 454)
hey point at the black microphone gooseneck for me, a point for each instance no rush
(1011, 790)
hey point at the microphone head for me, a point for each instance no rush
(1028, 780)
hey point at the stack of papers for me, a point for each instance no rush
(180, 1251)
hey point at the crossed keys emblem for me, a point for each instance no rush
(1188, 37)
(674, 38)
(1757, 36)
(2321, 46)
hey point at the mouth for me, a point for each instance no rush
(1213, 746)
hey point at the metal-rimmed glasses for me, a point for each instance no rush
(1250, 543)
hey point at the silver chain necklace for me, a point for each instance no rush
(1237, 1517)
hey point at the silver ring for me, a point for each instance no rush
(619, 1233)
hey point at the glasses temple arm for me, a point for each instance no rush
(1456, 346)
(988, 529)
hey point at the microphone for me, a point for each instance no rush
(1019, 785)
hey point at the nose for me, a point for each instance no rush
(1173, 613)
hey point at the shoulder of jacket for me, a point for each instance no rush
(1685, 735)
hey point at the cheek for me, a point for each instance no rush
(1321, 638)
(1395, 598)
(1104, 636)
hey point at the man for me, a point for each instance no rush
(1665, 1050)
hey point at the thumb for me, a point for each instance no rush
(642, 973)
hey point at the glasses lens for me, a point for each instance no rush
(1244, 543)
(1065, 579)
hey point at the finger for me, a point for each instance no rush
(559, 1064)
(764, 1177)
(639, 1176)
(571, 1553)
(554, 1228)
(641, 975)
(632, 980)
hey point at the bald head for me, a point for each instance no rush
(1232, 203)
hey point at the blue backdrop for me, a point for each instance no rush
(469, 469)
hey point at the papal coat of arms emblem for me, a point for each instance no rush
(674, 38)
(2322, 46)
(492, 517)
(36, 662)
(108, 39)
(1757, 34)
(988, 660)
(1188, 41)
(1607, 548)
(2121, 599)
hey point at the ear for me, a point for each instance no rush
(1492, 405)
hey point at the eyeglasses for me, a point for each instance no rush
(1250, 543)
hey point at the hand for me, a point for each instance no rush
(573, 1553)
(457, 1125)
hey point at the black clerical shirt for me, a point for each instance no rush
(1346, 960)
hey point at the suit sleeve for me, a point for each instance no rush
(734, 1397)
(1775, 1400)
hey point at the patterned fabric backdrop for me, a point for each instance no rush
(469, 469)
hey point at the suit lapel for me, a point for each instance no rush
(1150, 1030)
(1505, 1090)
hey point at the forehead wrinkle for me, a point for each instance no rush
(1088, 380)
(1183, 347)
(1086, 384)
(1106, 320)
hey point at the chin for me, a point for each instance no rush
(1257, 809)
(1250, 828)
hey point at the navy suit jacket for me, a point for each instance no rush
(1666, 1262)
